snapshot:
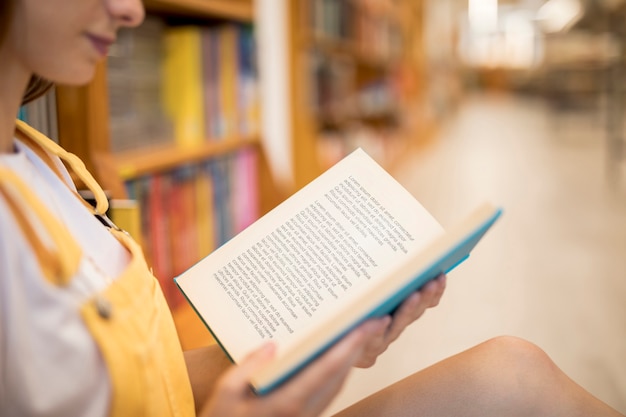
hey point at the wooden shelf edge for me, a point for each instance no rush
(132, 164)
(241, 10)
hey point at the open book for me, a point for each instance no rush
(350, 245)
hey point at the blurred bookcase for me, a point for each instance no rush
(358, 71)
(356, 79)
(170, 121)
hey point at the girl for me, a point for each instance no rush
(84, 328)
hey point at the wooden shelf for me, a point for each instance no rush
(133, 164)
(358, 58)
(241, 10)
(386, 117)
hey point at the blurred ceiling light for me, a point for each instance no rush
(483, 15)
(559, 15)
(519, 49)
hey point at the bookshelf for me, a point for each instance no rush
(382, 94)
(357, 80)
(85, 128)
(84, 116)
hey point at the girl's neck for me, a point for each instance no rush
(12, 86)
(7, 128)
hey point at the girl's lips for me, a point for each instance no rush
(100, 44)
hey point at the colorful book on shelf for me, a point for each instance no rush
(182, 218)
(138, 189)
(205, 212)
(182, 84)
(159, 232)
(227, 39)
(126, 214)
(210, 82)
(220, 173)
(182, 221)
(248, 112)
(244, 190)
(350, 245)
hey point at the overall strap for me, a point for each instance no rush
(43, 147)
(57, 251)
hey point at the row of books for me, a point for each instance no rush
(189, 212)
(135, 78)
(337, 97)
(182, 83)
(369, 25)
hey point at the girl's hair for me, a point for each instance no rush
(37, 86)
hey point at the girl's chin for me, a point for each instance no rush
(79, 77)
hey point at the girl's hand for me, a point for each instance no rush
(306, 394)
(410, 310)
(309, 392)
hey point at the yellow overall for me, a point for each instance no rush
(130, 320)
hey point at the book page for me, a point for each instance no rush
(324, 244)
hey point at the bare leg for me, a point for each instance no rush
(504, 376)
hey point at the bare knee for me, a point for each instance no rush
(516, 369)
(516, 353)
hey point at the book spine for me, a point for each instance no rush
(159, 229)
(245, 190)
(249, 104)
(182, 78)
(182, 220)
(219, 169)
(205, 211)
(227, 36)
(208, 82)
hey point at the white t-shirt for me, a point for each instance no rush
(49, 364)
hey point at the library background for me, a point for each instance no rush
(214, 111)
